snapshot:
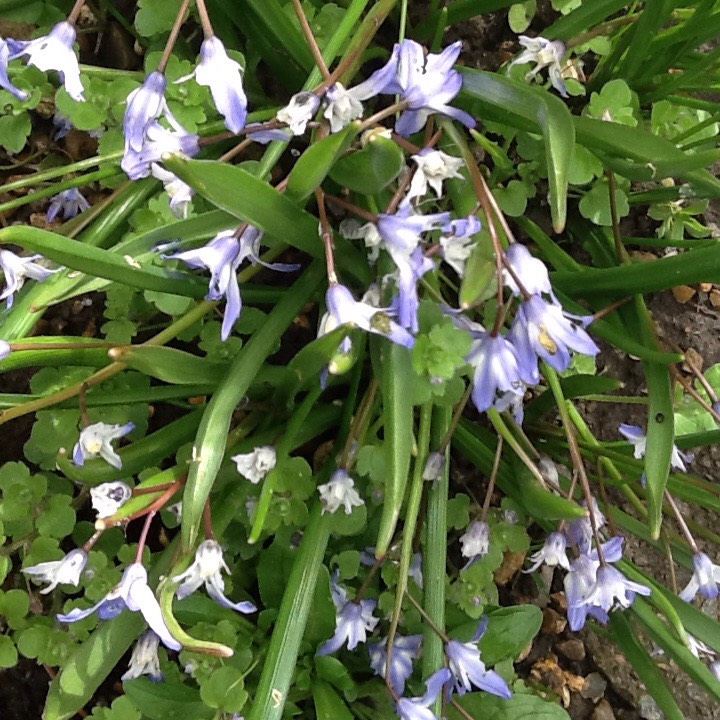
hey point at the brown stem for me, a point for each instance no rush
(345, 204)
(620, 251)
(438, 631)
(74, 13)
(690, 390)
(493, 477)
(610, 308)
(207, 27)
(172, 38)
(143, 535)
(308, 33)
(207, 521)
(681, 522)
(84, 417)
(327, 237)
(234, 152)
(368, 579)
(387, 112)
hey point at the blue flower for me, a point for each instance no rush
(107, 498)
(428, 83)
(59, 572)
(53, 51)
(401, 230)
(69, 202)
(179, 193)
(532, 273)
(144, 659)
(131, 593)
(95, 440)
(417, 708)
(545, 54)
(637, 438)
(343, 309)
(158, 141)
(612, 589)
(407, 302)
(223, 76)
(16, 270)
(257, 133)
(338, 492)
(352, 623)
(475, 541)
(144, 106)
(704, 580)
(4, 79)
(580, 531)
(469, 670)
(205, 570)
(222, 256)
(578, 584)
(547, 331)
(405, 649)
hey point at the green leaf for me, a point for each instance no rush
(521, 14)
(8, 652)
(224, 690)
(398, 416)
(595, 204)
(584, 17)
(14, 130)
(509, 632)
(314, 164)
(212, 433)
(165, 701)
(172, 366)
(153, 18)
(518, 707)
(264, 207)
(614, 103)
(508, 98)
(371, 169)
(328, 704)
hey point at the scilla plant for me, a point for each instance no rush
(236, 495)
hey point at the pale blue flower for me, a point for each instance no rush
(53, 51)
(433, 168)
(407, 302)
(635, 435)
(144, 659)
(401, 230)
(205, 570)
(580, 530)
(475, 541)
(612, 589)
(5, 349)
(69, 202)
(16, 270)
(352, 621)
(417, 708)
(469, 670)
(158, 141)
(62, 126)
(257, 133)
(545, 54)
(59, 572)
(339, 492)
(405, 649)
(343, 309)
(179, 193)
(428, 83)
(704, 580)
(107, 498)
(4, 79)
(578, 585)
(457, 246)
(144, 106)
(497, 372)
(255, 465)
(552, 553)
(222, 256)
(342, 106)
(95, 440)
(550, 333)
(530, 271)
(131, 593)
(223, 76)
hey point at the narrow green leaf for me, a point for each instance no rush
(170, 365)
(264, 207)
(518, 707)
(328, 704)
(398, 423)
(370, 170)
(582, 19)
(213, 430)
(101, 263)
(314, 164)
(541, 110)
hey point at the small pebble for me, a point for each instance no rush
(603, 711)
(649, 710)
(553, 623)
(572, 649)
(594, 687)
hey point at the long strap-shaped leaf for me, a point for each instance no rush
(210, 440)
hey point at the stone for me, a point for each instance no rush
(603, 711)
(594, 687)
(572, 649)
(648, 709)
(553, 622)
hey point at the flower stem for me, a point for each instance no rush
(143, 535)
(438, 631)
(207, 27)
(382, 114)
(681, 522)
(172, 38)
(312, 42)
(327, 237)
(493, 478)
(74, 13)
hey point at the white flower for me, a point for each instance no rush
(456, 249)
(144, 659)
(257, 464)
(342, 107)
(59, 572)
(107, 498)
(545, 54)
(95, 440)
(299, 111)
(339, 491)
(552, 553)
(433, 166)
(635, 435)
(179, 193)
(353, 230)
(206, 570)
(476, 540)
